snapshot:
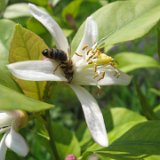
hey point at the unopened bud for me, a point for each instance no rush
(71, 157)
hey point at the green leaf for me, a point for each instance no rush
(152, 158)
(11, 100)
(66, 141)
(121, 116)
(6, 33)
(3, 4)
(123, 20)
(72, 9)
(39, 2)
(17, 10)
(139, 142)
(35, 26)
(145, 105)
(157, 111)
(155, 91)
(129, 61)
(6, 79)
(118, 121)
(84, 137)
(26, 45)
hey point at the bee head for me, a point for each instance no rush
(45, 52)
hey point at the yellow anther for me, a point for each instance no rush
(90, 62)
(90, 57)
(95, 68)
(78, 54)
(89, 51)
(117, 74)
(103, 74)
(85, 47)
(95, 75)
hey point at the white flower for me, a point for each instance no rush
(9, 122)
(90, 67)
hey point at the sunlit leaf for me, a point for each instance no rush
(129, 61)
(153, 158)
(123, 20)
(10, 99)
(118, 121)
(120, 116)
(6, 33)
(26, 45)
(139, 142)
(16, 10)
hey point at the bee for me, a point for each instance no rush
(64, 62)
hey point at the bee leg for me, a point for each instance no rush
(56, 68)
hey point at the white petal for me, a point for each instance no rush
(52, 26)
(36, 71)
(6, 119)
(115, 77)
(92, 115)
(3, 148)
(89, 37)
(112, 76)
(16, 143)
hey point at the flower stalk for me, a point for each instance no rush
(51, 134)
(49, 122)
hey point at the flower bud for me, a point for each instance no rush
(71, 157)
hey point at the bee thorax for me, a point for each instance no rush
(61, 57)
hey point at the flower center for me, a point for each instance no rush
(97, 60)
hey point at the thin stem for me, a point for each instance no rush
(158, 41)
(51, 135)
(146, 109)
(48, 123)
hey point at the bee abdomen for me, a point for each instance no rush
(54, 53)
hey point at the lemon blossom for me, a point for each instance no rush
(9, 122)
(90, 67)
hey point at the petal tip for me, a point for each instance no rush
(103, 141)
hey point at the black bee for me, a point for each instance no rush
(65, 63)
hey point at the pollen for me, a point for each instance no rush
(104, 59)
